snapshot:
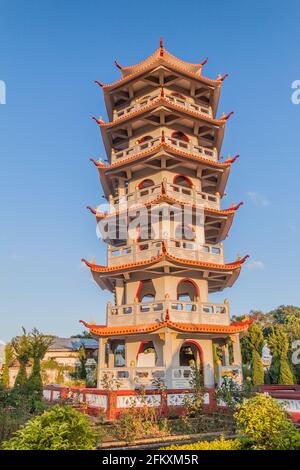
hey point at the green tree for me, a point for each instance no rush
(38, 346)
(60, 428)
(263, 422)
(280, 370)
(21, 348)
(8, 362)
(253, 343)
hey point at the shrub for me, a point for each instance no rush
(136, 423)
(220, 444)
(60, 428)
(263, 421)
(233, 394)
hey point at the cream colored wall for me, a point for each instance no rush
(158, 132)
(162, 175)
(166, 284)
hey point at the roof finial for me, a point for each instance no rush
(118, 65)
(227, 116)
(99, 83)
(93, 211)
(93, 161)
(235, 158)
(161, 46)
(204, 61)
(222, 77)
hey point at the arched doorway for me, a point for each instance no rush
(190, 355)
(187, 290)
(145, 138)
(178, 135)
(146, 183)
(182, 180)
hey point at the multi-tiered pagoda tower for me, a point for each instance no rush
(164, 228)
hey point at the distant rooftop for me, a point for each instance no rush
(73, 344)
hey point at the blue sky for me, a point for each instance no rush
(51, 52)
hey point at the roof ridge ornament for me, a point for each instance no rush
(221, 78)
(99, 83)
(204, 61)
(117, 64)
(226, 116)
(161, 46)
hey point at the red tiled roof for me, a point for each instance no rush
(151, 327)
(165, 197)
(164, 145)
(161, 100)
(160, 59)
(165, 255)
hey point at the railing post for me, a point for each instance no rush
(111, 405)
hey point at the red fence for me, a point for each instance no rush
(169, 402)
(112, 403)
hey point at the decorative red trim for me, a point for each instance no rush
(221, 79)
(140, 185)
(200, 350)
(183, 136)
(118, 65)
(183, 176)
(186, 279)
(204, 61)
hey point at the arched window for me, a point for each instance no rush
(145, 138)
(187, 291)
(182, 180)
(119, 352)
(190, 355)
(146, 183)
(146, 291)
(180, 136)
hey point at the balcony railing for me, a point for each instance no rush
(187, 147)
(179, 311)
(180, 193)
(135, 376)
(140, 103)
(142, 251)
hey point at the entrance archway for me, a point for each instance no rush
(191, 355)
(187, 290)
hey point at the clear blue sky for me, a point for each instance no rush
(51, 51)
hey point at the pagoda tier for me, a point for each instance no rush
(216, 276)
(213, 330)
(162, 109)
(164, 227)
(164, 153)
(162, 69)
(216, 222)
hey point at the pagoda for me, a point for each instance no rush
(164, 228)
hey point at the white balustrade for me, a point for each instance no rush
(134, 377)
(150, 193)
(146, 250)
(187, 147)
(138, 313)
(140, 103)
